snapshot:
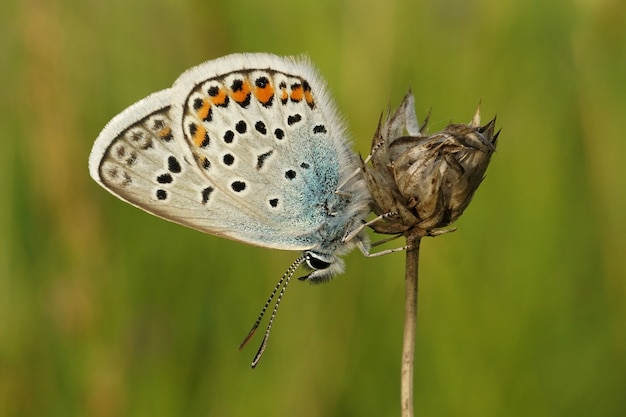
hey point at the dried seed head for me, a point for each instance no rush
(426, 181)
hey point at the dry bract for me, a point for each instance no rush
(425, 181)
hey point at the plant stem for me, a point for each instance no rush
(410, 322)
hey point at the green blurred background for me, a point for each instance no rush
(107, 311)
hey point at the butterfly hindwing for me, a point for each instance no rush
(137, 159)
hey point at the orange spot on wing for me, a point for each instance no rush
(203, 111)
(264, 94)
(283, 95)
(199, 135)
(165, 131)
(297, 93)
(242, 94)
(220, 98)
(308, 96)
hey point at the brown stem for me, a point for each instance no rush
(410, 323)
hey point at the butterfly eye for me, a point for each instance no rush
(314, 262)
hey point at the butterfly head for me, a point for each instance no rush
(325, 264)
(322, 266)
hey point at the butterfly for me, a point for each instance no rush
(249, 147)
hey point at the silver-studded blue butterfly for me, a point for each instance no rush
(249, 147)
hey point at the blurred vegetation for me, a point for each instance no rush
(107, 311)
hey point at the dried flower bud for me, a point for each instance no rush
(425, 181)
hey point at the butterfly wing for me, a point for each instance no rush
(137, 159)
(246, 147)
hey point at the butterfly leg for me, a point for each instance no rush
(367, 253)
(365, 250)
(362, 226)
(389, 239)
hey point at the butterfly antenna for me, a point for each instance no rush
(282, 284)
(263, 310)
